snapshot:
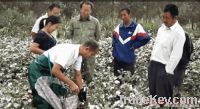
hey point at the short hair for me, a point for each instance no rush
(172, 8)
(92, 44)
(87, 3)
(53, 20)
(125, 9)
(53, 6)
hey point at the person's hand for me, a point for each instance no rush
(82, 95)
(74, 88)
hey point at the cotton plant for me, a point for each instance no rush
(106, 84)
(15, 57)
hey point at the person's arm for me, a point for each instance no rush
(78, 77)
(98, 31)
(35, 45)
(59, 74)
(176, 53)
(33, 34)
(70, 31)
(141, 40)
(35, 48)
(142, 37)
(113, 39)
(115, 35)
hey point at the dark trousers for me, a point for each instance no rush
(87, 69)
(179, 74)
(160, 83)
(118, 66)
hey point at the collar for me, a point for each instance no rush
(76, 51)
(89, 18)
(172, 27)
(46, 14)
(131, 25)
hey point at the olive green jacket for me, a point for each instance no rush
(80, 31)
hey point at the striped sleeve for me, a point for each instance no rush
(141, 37)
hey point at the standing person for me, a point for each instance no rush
(127, 37)
(82, 28)
(53, 10)
(166, 54)
(43, 39)
(61, 56)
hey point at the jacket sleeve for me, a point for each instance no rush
(115, 35)
(113, 40)
(142, 37)
(70, 31)
(98, 31)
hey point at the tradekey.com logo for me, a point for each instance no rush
(184, 102)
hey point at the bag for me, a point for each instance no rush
(68, 102)
(187, 52)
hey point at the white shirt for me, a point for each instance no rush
(66, 55)
(168, 46)
(35, 28)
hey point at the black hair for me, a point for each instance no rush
(92, 44)
(172, 8)
(53, 20)
(125, 9)
(53, 6)
(87, 3)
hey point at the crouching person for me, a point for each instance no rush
(61, 56)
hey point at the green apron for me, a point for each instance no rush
(38, 68)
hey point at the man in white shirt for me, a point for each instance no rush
(166, 54)
(53, 10)
(42, 79)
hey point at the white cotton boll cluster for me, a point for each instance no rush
(94, 107)
(15, 92)
(118, 92)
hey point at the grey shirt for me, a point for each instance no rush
(80, 31)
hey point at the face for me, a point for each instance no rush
(85, 11)
(168, 19)
(87, 52)
(124, 16)
(52, 27)
(54, 12)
